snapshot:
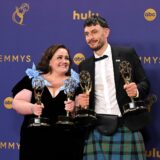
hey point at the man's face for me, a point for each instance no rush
(96, 36)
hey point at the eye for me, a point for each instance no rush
(86, 34)
(59, 57)
(66, 58)
(94, 31)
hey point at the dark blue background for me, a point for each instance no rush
(52, 21)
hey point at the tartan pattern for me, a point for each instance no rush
(123, 145)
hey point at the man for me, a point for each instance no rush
(118, 80)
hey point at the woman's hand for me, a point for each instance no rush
(69, 105)
(37, 109)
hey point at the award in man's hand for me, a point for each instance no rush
(135, 113)
(85, 116)
(134, 106)
(38, 86)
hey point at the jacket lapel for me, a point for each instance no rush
(116, 61)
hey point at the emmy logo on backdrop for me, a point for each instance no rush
(18, 14)
(38, 85)
(86, 116)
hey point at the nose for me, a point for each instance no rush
(89, 37)
(64, 60)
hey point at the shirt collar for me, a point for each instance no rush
(106, 52)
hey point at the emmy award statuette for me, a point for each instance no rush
(135, 113)
(66, 121)
(125, 70)
(85, 117)
(38, 86)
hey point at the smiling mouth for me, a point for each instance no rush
(64, 66)
(92, 42)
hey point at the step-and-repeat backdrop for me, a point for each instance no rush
(28, 27)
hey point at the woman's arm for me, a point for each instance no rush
(22, 103)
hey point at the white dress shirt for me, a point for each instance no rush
(105, 93)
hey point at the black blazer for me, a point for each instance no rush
(120, 54)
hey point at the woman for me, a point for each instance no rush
(47, 142)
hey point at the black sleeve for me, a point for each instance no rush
(24, 83)
(140, 76)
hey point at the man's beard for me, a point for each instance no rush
(98, 47)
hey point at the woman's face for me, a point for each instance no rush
(60, 61)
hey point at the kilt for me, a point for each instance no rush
(122, 145)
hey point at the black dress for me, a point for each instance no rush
(48, 142)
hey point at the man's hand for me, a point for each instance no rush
(131, 89)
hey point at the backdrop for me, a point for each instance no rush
(28, 27)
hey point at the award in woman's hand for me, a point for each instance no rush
(38, 86)
(85, 116)
(70, 85)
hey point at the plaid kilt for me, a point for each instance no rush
(123, 145)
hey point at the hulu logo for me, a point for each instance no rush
(83, 16)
